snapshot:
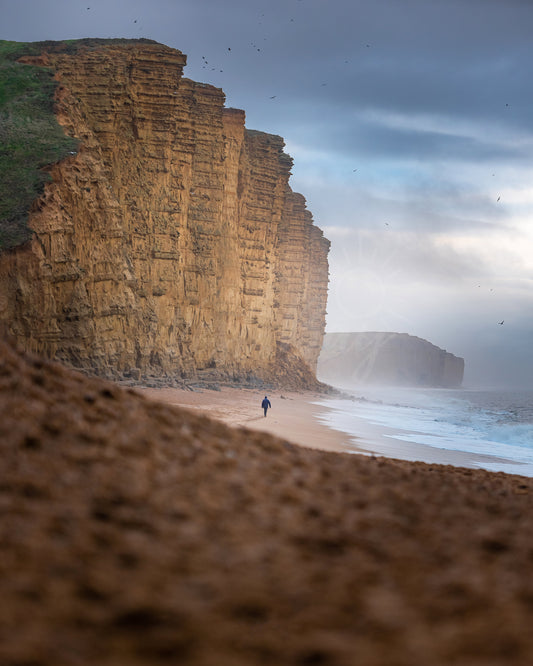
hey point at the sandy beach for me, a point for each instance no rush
(141, 533)
(293, 415)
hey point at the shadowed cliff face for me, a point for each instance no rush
(171, 243)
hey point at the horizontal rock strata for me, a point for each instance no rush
(171, 244)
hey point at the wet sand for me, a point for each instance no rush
(295, 416)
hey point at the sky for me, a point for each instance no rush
(410, 123)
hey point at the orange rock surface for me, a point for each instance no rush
(134, 533)
(171, 243)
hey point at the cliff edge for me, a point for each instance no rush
(387, 358)
(170, 243)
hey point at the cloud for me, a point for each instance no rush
(411, 129)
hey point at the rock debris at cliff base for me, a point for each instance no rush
(134, 533)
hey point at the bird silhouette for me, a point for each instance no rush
(501, 322)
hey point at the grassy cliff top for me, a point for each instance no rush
(30, 136)
(15, 50)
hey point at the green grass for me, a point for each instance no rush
(30, 139)
(30, 136)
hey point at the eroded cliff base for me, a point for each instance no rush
(287, 371)
(135, 533)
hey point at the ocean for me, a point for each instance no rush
(492, 429)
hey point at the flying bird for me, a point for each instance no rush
(501, 322)
(498, 199)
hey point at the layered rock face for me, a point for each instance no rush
(171, 243)
(387, 358)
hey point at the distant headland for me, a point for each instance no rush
(387, 358)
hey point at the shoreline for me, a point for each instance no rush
(388, 442)
(302, 418)
(293, 416)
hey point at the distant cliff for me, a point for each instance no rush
(387, 358)
(170, 243)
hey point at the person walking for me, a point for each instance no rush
(265, 404)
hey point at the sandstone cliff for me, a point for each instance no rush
(387, 358)
(171, 243)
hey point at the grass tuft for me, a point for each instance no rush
(30, 139)
(30, 136)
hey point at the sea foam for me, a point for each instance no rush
(494, 428)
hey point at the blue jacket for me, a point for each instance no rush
(266, 403)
